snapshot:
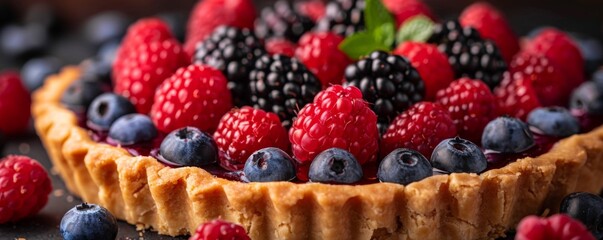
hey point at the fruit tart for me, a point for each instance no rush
(329, 132)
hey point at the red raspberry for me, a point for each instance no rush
(280, 46)
(548, 81)
(340, 118)
(24, 188)
(145, 30)
(516, 96)
(556, 227)
(320, 53)
(405, 9)
(561, 49)
(492, 25)
(139, 71)
(219, 230)
(244, 131)
(432, 65)
(14, 104)
(209, 14)
(195, 96)
(421, 127)
(471, 105)
(314, 9)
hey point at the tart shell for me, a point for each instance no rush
(174, 201)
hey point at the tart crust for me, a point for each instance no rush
(174, 201)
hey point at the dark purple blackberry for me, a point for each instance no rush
(468, 54)
(233, 51)
(282, 85)
(282, 21)
(344, 17)
(388, 82)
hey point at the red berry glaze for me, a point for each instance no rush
(556, 227)
(321, 55)
(24, 188)
(243, 131)
(516, 96)
(405, 9)
(471, 105)
(280, 46)
(432, 65)
(421, 127)
(195, 96)
(14, 104)
(219, 230)
(548, 81)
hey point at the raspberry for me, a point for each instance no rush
(339, 118)
(422, 127)
(139, 71)
(14, 104)
(516, 96)
(195, 96)
(548, 81)
(556, 227)
(315, 9)
(219, 230)
(209, 14)
(24, 188)
(471, 105)
(492, 25)
(280, 46)
(244, 131)
(405, 9)
(320, 53)
(145, 30)
(432, 65)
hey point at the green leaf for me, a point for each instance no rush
(375, 15)
(360, 44)
(385, 34)
(418, 29)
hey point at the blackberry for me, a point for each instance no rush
(344, 17)
(282, 85)
(282, 21)
(232, 51)
(468, 54)
(388, 82)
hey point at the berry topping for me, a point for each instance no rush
(320, 53)
(281, 46)
(24, 188)
(343, 17)
(388, 82)
(404, 166)
(587, 208)
(282, 85)
(556, 227)
(14, 104)
(455, 155)
(144, 31)
(468, 54)
(88, 221)
(516, 96)
(188, 146)
(507, 135)
(234, 52)
(246, 130)
(35, 71)
(219, 230)
(132, 128)
(471, 106)
(402, 10)
(195, 96)
(283, 21)
(432, 65)
(96, 69)
(588, 97)
(554, 121)
(269, 165)
(107, 108)
(422, 127)
(80, 94)
(335, 165)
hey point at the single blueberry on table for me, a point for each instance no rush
(269, 165)
(456, 155)
(404, 166)
(88, 222)
(507, 135)
(107, 108)
(554, 121)
(189, 146)
(132, 128)
(586, 207)
(335, 165)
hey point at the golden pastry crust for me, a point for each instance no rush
(174, 201)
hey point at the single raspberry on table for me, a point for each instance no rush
(549, 82)
(219, 230)
(243, 131)
(422, 127)
(280, 46)
(24, 188)
(516, 96)
(556, 227)
(14, 104)
(319, 51)
(402, 10)
(195, 96)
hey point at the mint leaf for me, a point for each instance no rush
(418, 29)
(385, 34)
(360, 44)
(375, 15)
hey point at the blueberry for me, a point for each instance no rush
(404, 166)
(107, 108)
(80, 94)
(554, 121)
(22, 42)
(90, 222)
(586, 207)
(107, 52)
(36, 70)
(591, 50)
(458, 155)
(507, 135)
(189, 146)
(269, 165)
(588, 97)
(105, 27)
(96, 69)
(335, 165)
(132, 128)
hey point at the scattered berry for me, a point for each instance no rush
(321, 55)
(107, 108)
(556, 227)
(343, 17)
(88, 221)
(516, 96)
(404, 166)
(586, 208)
(281, 46)
(507, 135)
(219, 230)
(455, 155)
(335, 165)
(402, 10)
(188, 146)
(588, 97)
(36, 70)
(554, 121)
(283, 21)
(132, 128)
(14, 104)
(269, 165)
(80, 94)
